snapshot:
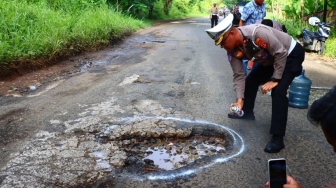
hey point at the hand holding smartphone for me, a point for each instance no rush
(277, 172)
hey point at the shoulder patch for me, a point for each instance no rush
(259, 42)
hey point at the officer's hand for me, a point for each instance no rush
(239, 103)
(268, 86)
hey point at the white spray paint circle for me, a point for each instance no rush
(238, 142)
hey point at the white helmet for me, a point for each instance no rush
(313, 21)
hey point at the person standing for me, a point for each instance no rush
(253, 12)
(278, 61)
(236, 16)
(214, 15)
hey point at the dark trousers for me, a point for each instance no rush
(261, 74)
(214, 20)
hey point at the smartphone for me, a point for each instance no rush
(277, 172)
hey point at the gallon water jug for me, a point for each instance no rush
(299, 91)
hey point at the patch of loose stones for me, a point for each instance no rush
(83, 156)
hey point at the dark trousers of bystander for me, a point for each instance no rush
(214, 20)
(261, 74)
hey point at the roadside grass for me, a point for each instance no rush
(31, 33)
(330, 45)
(36, 33)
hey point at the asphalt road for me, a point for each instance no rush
(169, 70)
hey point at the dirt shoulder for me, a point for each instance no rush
(19, 85)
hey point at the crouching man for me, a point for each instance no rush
(279, 60)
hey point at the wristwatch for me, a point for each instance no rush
(275, 80)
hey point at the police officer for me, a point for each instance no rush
(273, 23)
(214, 15)
(279, 60)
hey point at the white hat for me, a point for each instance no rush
(219, 30)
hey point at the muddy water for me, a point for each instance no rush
(179, 153)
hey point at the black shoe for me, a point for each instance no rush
(275, 145)
(245, 116)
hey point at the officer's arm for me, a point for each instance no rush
(238, 76)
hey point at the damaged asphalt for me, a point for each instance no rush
(71, 132)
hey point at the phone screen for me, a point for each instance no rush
(277, 173)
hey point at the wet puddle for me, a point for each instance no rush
(179, 153)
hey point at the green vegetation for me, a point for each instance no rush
(296, 9)
(32, 31)
(290, 12)
(35, 32)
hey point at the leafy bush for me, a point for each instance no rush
(330, 46)
(50, 28)
(294, 28)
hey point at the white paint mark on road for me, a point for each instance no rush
(55, 121)
(129, 80)
(51, 86)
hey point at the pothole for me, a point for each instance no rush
(159, 148)
(166, 154)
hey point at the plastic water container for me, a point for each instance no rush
(299, 91)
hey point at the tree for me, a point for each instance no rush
(166, 6)
(325, 10)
